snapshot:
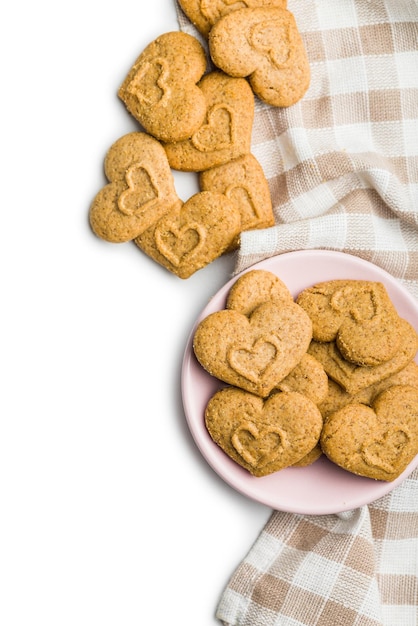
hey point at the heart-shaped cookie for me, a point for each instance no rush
(140, 191)
(256, 287)
(263, 44)
(244, 181)
(205, 13)
(308, 378)
(225, 133)
(218, 133)
(355, 377)
(263, 436)
(160, 90)
(358, 315)
(336, 397)
(192, 235)
(253, 353)
(379, 441)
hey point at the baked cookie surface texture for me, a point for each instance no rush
(244, 182)
(336, 397)
(263, 436)
(308, 378)
(358, 315)
(254, 288)
(354, 377)
(263, 44)
(193, 234)
(378, 441)
(140, 191)
(253, 353)
(205, 13)
(161, 91)
(225, 133)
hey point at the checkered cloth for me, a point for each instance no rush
(342, 166)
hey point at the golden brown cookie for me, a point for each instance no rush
(337, 397)
(310, 458)
(161, 90)
(255, 287)
(225, 133)
(244, 182)
(358, 315)
(263, 44)
(193, 234)
(205, 13)
(308, 378)
(355, 377)
(253, 353)
(140, 191)
(379, 441)
(263, 436)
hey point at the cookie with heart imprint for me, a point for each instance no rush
(379, 441)
(225, 133)
(265, 45)
(253, 353)
(263, 436)
(355, 377)
(336, 397)
(358, 315)
(205, 13)
(193, 234)
(160, 90)
(244, 182)
(255, 287)
(140, 190)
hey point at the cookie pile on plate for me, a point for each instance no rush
(197, 119)
(331, 372)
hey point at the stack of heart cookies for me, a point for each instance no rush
(267, 417)
(196, 118)
(331, 372)
(367, 350)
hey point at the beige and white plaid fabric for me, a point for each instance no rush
(343, 163)
(357, 568)
(342, 166)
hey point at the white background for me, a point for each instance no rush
(108, 513)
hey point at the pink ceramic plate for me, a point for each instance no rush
(322, 487)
